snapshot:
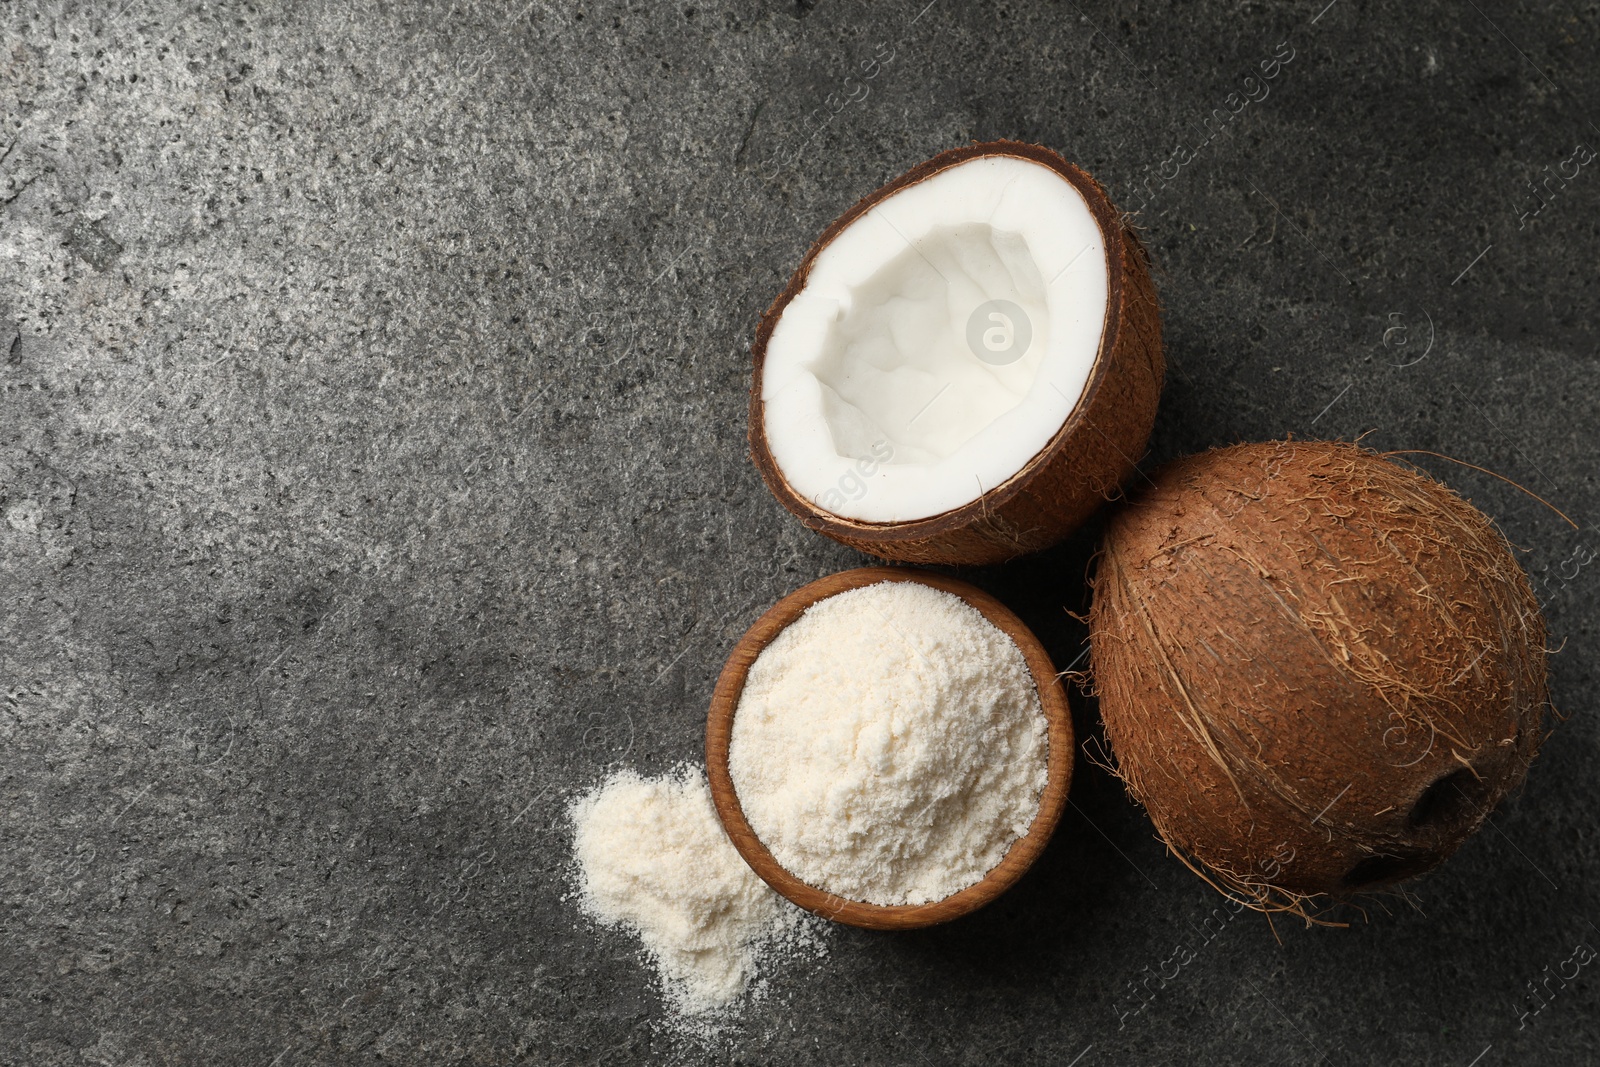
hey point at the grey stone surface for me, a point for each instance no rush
(372, 468)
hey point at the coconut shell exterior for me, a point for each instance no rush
(1319, 671)
(1083, 464)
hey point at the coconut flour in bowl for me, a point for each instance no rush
(889, 745)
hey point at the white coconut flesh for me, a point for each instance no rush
(896, 385)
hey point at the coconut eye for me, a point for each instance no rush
(1376, 869)
(1447, 802)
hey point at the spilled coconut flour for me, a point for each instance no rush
(889, 745)
(653, 858)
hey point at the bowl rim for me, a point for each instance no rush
(1023, 851)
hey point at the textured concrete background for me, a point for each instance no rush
(372, 467)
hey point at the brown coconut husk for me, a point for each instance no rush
(1319, 671)
(1087, 459)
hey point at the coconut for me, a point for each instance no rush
(964, 366)
(1318, 671)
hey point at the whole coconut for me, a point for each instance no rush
(1319, 671)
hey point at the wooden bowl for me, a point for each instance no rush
(719, 732)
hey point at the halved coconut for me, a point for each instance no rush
(964, 365)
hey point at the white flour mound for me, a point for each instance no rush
(653, 858)
(889, 745)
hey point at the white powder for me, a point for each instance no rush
(889, 745)
(652, 857)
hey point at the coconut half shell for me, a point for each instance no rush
(1092, 450)
(1319, 671)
